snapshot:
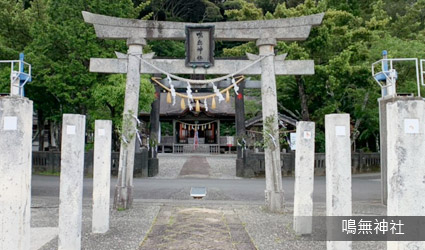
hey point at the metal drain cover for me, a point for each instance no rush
(198, 192)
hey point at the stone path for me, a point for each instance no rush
(196, 166)
(220, 166)
(197, 228)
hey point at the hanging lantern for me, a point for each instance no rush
(169, 97)
(227, 96)
(213, 106)
(183, 104)
(197, 106)
(209, 125)
(203, 127)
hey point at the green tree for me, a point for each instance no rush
(109, 104)
(60, 50)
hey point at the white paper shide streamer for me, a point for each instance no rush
(235, 86)
(217, 93)
(189, 92)
(189, 103)
(172, 90)
(206, 104)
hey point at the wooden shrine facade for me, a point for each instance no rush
(193, 132)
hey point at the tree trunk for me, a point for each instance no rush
(52, 136)
(356, 133)
(303, 98)
(115, 135)
(40, 128)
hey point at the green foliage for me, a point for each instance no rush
(248, 12)
(227, 129)
(252, 108)
(14, 28)
(109, 97)
(59, 45)
(183, 10)
(411, 25)
(380, 18)
(167, 128)
(167, 48)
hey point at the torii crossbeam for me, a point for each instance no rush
(264, 32)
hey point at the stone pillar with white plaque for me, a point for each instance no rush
(383, 137)
(304, 178)
(338, 171)
(405, 158)
(71, 181)
(15, 172)
(101, 176)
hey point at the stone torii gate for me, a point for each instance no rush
(265, 32)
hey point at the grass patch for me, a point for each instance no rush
(47, 173)
(171, 221)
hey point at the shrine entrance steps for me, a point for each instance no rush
(176, 166)
(197, 149)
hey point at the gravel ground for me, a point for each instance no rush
(271, 231)
(170, 165)
(268, 231)
(127, 228)
(223, 166)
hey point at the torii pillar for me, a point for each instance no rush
(274, 192)
(124, 188)
(265, 32)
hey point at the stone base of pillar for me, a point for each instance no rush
(121, 202)
(153, 166)
(242, 170)
(239, 167)
(144, 163)
(274, 201)
(141, 163)
(303, 225)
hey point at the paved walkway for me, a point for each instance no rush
(197, 228)
(196, 166)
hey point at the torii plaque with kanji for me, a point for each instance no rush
(199, 46)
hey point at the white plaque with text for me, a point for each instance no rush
(10, 123)
(101, 132)
(411, 126)
(307, 135)
(70, 130)
(340, 131)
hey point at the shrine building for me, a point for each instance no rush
(194, 131)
